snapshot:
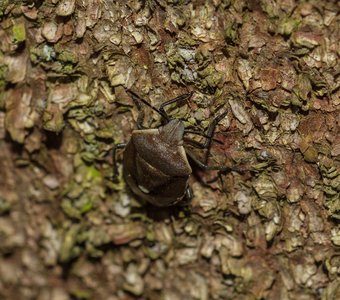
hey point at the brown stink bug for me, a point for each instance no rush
(155, 161)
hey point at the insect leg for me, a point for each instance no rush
(211, 128)
(114, 161)
(205, 167)
(188, 194)
(194, 143)
(208, 136)
(177, 99)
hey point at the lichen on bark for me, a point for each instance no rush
(270, 232)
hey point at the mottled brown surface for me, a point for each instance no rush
(68, 232)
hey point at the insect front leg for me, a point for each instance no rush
(188, 195)
(208, 135)
(206, 167)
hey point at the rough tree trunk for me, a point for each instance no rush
(67, 231)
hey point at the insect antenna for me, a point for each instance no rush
(136, 99)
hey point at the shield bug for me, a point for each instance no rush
(156, 161)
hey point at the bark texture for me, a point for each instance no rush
(67, 231)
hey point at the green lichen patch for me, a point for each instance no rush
(265, 229)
